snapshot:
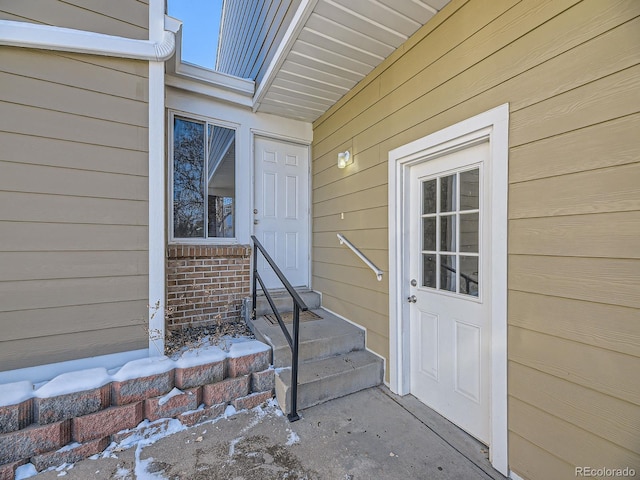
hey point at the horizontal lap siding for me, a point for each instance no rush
(125, 18)
(73, 191)
(570, 72)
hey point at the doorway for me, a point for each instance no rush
(449, 259)
(281, 209)
(448, 275)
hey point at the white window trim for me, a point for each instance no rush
(172, 240)
(494, 125)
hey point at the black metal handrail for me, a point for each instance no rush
(298, 306)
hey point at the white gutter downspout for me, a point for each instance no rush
(46, 37)
(159, 47)
(157, 231)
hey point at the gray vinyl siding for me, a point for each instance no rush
(73, 191)
(570, 71)
(250, 35)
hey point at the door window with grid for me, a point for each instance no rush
(450, 232)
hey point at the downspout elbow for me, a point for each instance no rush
(165, 49)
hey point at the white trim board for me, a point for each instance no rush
(157, 235)
(492, 125)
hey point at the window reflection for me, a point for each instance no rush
(448, 193)
(448, 272)
(469, 190)
(188, 179)
(448, 233)
(221, 171)
(428, 270)
(469, 232)
(429, 195)
(429, 233)
(469, 275)
(203, 191)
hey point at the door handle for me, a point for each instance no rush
(412, 299)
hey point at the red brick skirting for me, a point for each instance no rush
(206, 283)
(84, 423)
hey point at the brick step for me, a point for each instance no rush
(322, 380)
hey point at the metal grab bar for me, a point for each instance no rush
(298, 306)
(355, 250)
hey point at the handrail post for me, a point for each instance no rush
(293, 415)
(298, 305)
(255, 285)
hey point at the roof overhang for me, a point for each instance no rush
(329, 46)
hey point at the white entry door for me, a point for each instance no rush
(448, 290)
(281, 209)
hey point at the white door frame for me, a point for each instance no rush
(493, 126)
(257, 133)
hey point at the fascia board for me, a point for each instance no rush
(208, 89)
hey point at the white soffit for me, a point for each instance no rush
(340, 43)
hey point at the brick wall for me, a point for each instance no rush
(206, 284)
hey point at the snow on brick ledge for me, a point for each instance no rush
(150, 388)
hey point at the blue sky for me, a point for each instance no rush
(201, 24)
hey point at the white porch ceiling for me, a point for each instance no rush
(332, 45)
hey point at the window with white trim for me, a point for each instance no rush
(203, 180)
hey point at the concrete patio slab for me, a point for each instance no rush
(369, 434)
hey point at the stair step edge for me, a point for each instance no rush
(369, 360)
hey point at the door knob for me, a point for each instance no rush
(414, 283)
(412, 299)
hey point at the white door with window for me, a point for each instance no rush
(281, 209)
(449, 296)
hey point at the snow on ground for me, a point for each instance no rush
(147, 433)
(26, 471)
(292, 438)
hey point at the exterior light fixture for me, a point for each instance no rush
(344, 159)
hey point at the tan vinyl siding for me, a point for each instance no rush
(124, 18)
(570, 71)
(73, 191)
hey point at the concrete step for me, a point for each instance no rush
(319, 339)
(283, 301)
(329, 378)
